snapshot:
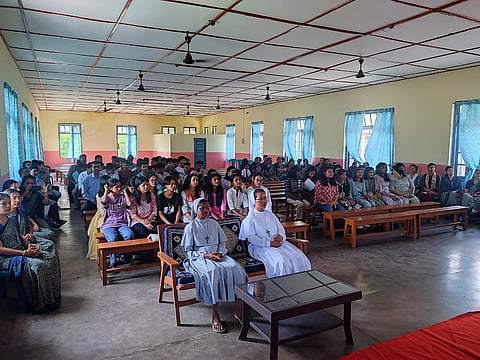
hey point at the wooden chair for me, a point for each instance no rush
(173, 276)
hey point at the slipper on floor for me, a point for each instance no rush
(218, 327)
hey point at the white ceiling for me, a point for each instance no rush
(76, 54)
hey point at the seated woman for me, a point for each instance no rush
(430, 185)
(293, 192)
(257, 183)
(204, 245)
(115, 223)
(25, 226)
(359, 191)
(267, 243)
(471, 197)
(326, 191)
(38, 269)
(153, 185)
(402, 185)
(237, 200)
(169, 203)
(143, 209)
(382, 180)
(216, 196)
(43, 232)
(96, 222)
(415, 177)
(34, 200)
(344, 194)
(308, 182)
(190, 192)
(373, 193)
(450, 188)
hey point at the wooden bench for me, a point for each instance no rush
(298, 227)
(174, 278)
(87, 216)
(107, 248)
(408, 219)
(456, 211)
(329, 229)
(277, 193)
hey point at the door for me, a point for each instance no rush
(200, 151)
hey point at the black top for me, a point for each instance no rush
(168, 207)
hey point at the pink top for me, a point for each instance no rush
(142, 210)
(217, 210)
(325, 194)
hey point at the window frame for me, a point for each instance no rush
(72, 126)
(261, 140)
(214, 130)
(126, 134)
(363, 142)
(187, 130)
(166, 129)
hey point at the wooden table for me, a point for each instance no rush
(291, 307)
(298, 227)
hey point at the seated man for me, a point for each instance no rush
(267, 243)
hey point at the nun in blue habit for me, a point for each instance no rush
(216, 274)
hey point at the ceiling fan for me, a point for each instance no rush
(105, 109)
(188, 59)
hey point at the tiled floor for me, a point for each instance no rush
(407, 284)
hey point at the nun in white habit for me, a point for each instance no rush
(267, 243)
(204, 245)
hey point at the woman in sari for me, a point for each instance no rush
(37, 268)
(215, 273)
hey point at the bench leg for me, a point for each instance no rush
(464, 220)
(353, 239)
(103, 266)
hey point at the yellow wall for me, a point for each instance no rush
(99, 129)
(10, 74)
(423, 112)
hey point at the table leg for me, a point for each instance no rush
(245, 321)
(274, 340)
(347, 316)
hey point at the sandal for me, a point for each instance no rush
(218, 327)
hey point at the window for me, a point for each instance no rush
(189, 130)
(126, 140)
(70, 141)
(230, 142)
(369, 136)
(168, 129)
(257, 139)
(298, 138)
(38, 141)
(205, 130)
(465, 155)
(214, 130)
(28, 135)
(14, 131)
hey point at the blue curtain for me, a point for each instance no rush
(131, 141)
(380, 145)
(28, 135)
(14, 131)
(257, 133)
(308, 139)
(289, 138)
(468, 117)
(38, 141)
(353, 133)
(230, 142)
